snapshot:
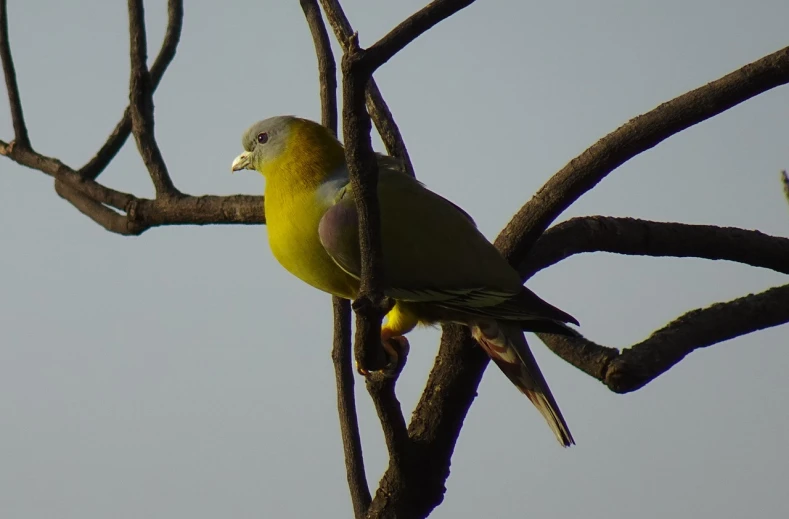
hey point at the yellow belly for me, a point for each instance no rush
(293, 236)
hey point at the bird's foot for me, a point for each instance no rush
(396, 349)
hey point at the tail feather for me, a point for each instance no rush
(507, 347)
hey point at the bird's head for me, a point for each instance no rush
(291, 149)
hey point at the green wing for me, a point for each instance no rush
(432, 250)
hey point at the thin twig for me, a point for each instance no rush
(346, 406)
(646, 238)
(116, 139)
(21, 138)
(141, 104)
(327, 68)
(638, 365)
(387, 127)
(785, 182)
(638, 135)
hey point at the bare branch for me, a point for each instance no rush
(370, 304)
(21, 138)
(638, 135)
(346, 406)
(141, 104)
(341, 350)
(327, 69)
(785, 181)
(93, 200)
(386, 126)
(638, 365)
(116, 140)
(414, 26)
(452, 384)
(379, 111)
(416, 487)
(646, 238)
(103, 215)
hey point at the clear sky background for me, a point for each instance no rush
(183, 373)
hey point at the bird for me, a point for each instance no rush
(438, 267)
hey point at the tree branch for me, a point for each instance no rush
(370, 305)
(638, 365)
(646, 238)
(410, 29)
(386, 126)
(379, 111)
(363, 172)
(327, 69)
(116, 140)
(785, 182)
(416, 487)
(346, 406)
(636, 136)
(141, 104)
(21, 138)
(141, 214)
(439, 415)
(341, 350)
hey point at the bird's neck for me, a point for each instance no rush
(311, 157)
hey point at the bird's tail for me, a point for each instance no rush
(507, 346)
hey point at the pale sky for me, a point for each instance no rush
(184, 373)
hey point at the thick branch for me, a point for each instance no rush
(417, 487)
(21, 138)
(453, 382)
(141, 104)
(116, 140)
(638, 365)
(633, 138)
(647, 238)
(410, 29)
(370, 304)
(363, 172)
(379, 111)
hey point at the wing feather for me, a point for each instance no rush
(433, 253)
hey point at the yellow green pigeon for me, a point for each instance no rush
(438, 267)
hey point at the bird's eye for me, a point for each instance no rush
(263, 138)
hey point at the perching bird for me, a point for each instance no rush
(438, 267)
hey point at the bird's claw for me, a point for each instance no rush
(396, 349)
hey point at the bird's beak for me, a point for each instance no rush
(241, 162)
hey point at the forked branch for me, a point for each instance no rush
(376, 106)
(634, 367)
(440, 412)
(141, 104)
(632, 236)
(636, 136)
(116, 139)
(341, 349)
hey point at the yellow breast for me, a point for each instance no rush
(292, 219)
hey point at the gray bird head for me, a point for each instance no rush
(264, 141)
